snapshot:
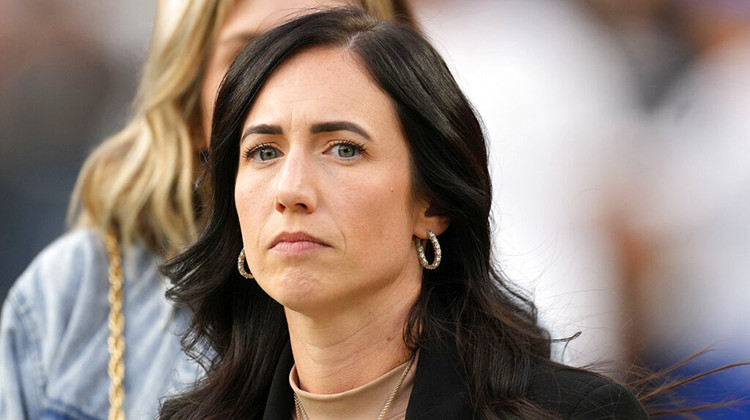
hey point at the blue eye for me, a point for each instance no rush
(347, 149)
(263, 153)
(267, 153)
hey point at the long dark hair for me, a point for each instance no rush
(238, 331)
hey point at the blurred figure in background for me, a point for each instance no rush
(63, 86)
(648, 33)
(691, 210)
(682, 218)
(555, 95)
(91, 306)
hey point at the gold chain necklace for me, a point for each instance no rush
(116, 323)
(300, 413)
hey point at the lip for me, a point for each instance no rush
(295, 243)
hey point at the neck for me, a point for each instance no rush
(348, 350)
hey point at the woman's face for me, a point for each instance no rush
(323, 189)
(246, 20)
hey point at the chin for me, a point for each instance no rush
(293, 291)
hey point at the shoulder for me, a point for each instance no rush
(37, 311)
(66, 286)
(60, 269)
(55, 330)
(68, 280)
(74, 267)
(68, 276)
(578, 394)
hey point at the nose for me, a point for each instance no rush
(295, 189)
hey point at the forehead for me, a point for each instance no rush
(258, 16)
(325, 82)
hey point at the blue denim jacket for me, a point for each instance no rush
(53, 335)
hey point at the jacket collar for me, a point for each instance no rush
(439, 386)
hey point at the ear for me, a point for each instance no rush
(429, 217)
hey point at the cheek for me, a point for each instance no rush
(240, 204)
(379, 209)
(246, 201)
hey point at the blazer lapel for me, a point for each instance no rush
(439, 390)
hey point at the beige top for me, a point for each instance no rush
(362, 403)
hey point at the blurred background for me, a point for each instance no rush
(68, 72)
(619, 136)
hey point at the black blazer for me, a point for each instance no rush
(439, 391)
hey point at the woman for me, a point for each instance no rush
(72, 344)
(350, 175)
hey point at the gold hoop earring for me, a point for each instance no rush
(435, 247)
(241, 266)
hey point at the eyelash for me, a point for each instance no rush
(361, 148)
(249, 152)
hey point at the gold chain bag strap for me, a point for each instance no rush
(116, 340)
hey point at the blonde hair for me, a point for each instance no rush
(140, 183)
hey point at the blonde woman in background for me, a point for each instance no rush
(86, 330)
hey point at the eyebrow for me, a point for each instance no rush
(261, 129)
(324, 127)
